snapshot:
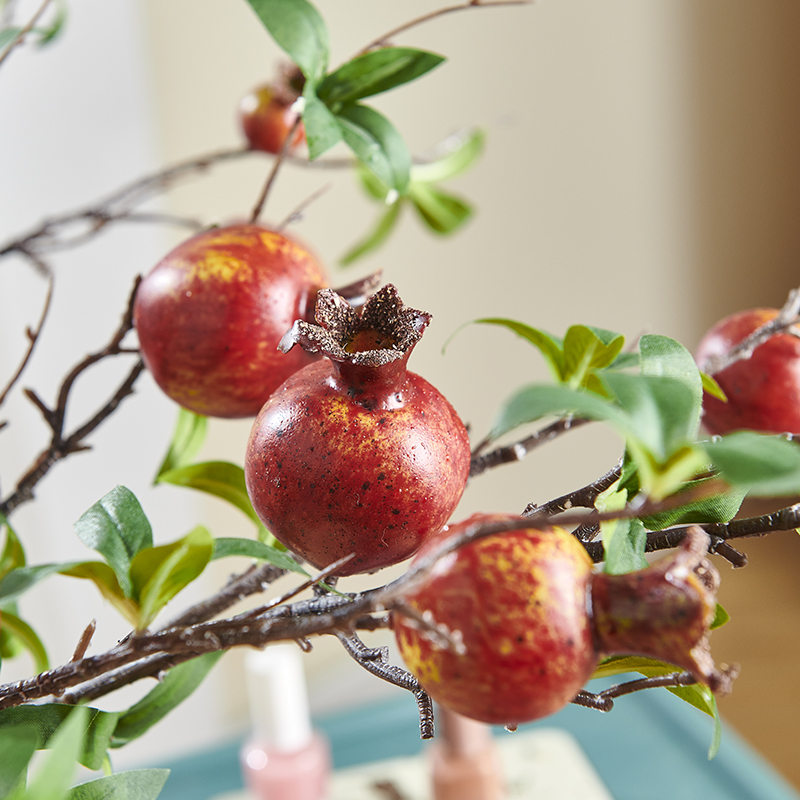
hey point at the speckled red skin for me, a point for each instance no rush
(763, 391)
(338, 464)
(267, 120)
(519, 601)
(211, 313)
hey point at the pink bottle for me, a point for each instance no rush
(284, 759)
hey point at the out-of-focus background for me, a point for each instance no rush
(642, 173)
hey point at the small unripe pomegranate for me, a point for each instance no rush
(212, 311)
(528, 619)
(354, 454)
(763, 391)
(267, 118)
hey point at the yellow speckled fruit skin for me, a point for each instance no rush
(211, 313)
(519, 601)
(331, 474)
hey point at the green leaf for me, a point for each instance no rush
(299, 29)
(230, 546)
(17, 745)
(720, 507)
(697, 695)
(53, 780)
(662, 356)
(322, 128)
(159, 573)
(118, 529)
(219, 478)
(702, 698)
(26, 636)
(171, 691)
(721, 617)
(187, 439)
(13, 555)
(375, 72)
(372, 184)
(712, 387)
(767, 466)
(378, 235)
(376, 143)
(623, 539)
(443, 213)
(587, 349)
(96, 728)
(52, 31)
(463, 152)
(550, 346)
(136, 784)
(541, 400)
(105, 579)
(18, 581)
(661, 410)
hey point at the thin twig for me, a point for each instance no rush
(24, 31)
(604, 701)
(33, 338)
(517, 451)
(382, 41)
(262, 199)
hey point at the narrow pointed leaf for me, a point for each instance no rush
(171, 691)
(230, 546)
(18, 581)
(106, 581)
(535, 401)
(13, 555)
(551, 347)
(322, 129)
(442, 213)
(376, 72)
(187, 439)
(159, 573)
(117, 528)
(219, 478)
(377, 143)
(377, 236)
(299, 29)
(587, 349)
(463, 152)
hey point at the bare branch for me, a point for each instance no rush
(24, 31)
(276, 165)
(383, 40)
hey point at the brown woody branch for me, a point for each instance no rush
(62, 445)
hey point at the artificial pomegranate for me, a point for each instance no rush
(267, 118)
(531, 619)
(763, 391)
(354, 454)
(211, 313)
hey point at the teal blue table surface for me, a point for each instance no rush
(650, 746)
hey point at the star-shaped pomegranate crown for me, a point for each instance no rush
(383, 331)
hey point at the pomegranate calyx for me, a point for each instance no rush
(384, 331)
(664, 611)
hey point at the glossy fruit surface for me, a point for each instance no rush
(763, 391)
(517, 601)
(354, 454)
(267, 119)
(211, 313)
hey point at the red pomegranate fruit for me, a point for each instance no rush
(211, 314)
(527, 618)
(762, 391)
(267, 117)
(354, 454)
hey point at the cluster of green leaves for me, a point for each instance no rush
(440, 211)
(656, 410)
(333, 110)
